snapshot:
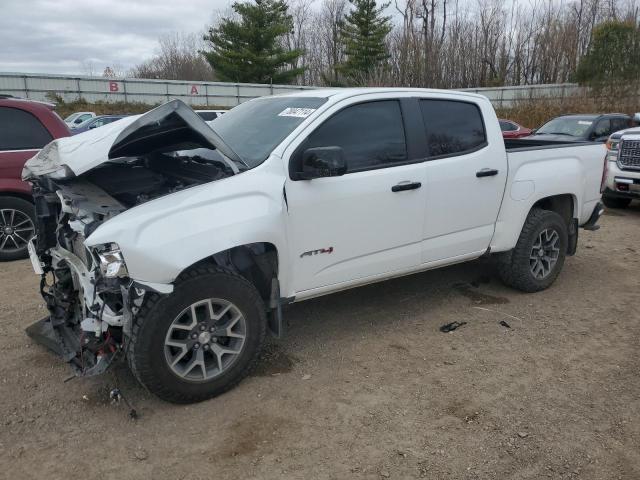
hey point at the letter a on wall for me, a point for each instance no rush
(194, 90)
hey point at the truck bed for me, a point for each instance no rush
(524, 144)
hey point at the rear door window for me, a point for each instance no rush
(619, 123)
(20, 130)
(452, 127)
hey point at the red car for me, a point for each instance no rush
(511, 129)
(25, 127)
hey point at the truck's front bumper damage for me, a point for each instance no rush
(90, 316)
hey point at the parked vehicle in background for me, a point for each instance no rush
(77, 118)
(209, 115)
(636, 120)
(622, 178)
(95, 122)
(25, 127)
(583, 128)
(511, 129)
(189, 262)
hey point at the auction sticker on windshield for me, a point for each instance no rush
(584, 122)
(296, 112)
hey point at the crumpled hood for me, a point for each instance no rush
(173, 125)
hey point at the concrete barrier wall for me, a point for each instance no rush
(92, 89)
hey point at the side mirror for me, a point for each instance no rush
(93, 125)
(322, 162)
(533, 132)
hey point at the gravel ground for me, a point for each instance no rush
(365, 385)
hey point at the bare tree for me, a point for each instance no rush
(178, 58)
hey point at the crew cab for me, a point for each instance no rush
(176, 244)
(25, 127)
(622, 178)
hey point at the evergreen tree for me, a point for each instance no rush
(363, 33)
(250, 49)
(613, 57)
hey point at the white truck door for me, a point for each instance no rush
(367, 222)
(466, 176)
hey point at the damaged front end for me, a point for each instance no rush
(89, 295)
(84, 181)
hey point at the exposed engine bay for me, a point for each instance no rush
(88, 292)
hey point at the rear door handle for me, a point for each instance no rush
(401, 187)
(486, 172)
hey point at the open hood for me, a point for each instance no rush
(172, 126)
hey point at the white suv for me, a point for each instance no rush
(622, 175)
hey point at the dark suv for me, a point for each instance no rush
(583, 127)
(25, 127)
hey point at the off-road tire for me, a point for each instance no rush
(514, 267)
(27, 209)
(615, 202)
(145, 353)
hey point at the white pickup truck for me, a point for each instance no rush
(175, 244)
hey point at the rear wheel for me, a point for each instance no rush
(538, 257)
(201, 340)
(17, 226)
(615, 202)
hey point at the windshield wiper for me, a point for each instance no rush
(555, 133)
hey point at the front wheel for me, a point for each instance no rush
(200, 340)
(538, 257)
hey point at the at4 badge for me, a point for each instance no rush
(316, 252)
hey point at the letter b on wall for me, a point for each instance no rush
(114, 87)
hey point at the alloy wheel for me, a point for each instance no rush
(544, 253)
(16, 229)
(205, 339)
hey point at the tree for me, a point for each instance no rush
(177, 58)
(250, 48)
(363, 34)
(613, 57)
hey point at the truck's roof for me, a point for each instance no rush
(352, 92)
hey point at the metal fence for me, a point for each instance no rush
(93, 89)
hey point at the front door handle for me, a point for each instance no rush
(401, 187)
(486, 172)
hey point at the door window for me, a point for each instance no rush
(603, 128)
(507, 126)
(619, 124)
(20, 130)
(370, 134)
(453, 128)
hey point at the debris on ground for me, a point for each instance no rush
(504, 324)
(450, 327)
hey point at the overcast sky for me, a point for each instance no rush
(64, 36)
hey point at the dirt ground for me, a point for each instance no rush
(366, 386)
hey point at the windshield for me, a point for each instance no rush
(573, 126)
(71, 117)
(253, 129)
